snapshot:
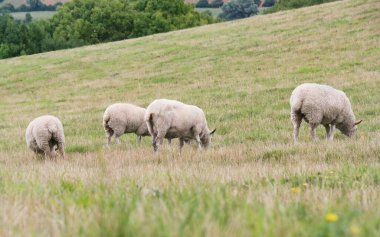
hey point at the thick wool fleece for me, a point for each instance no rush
(173, 119)
(44, 134)
(322, 104)
(123, 118)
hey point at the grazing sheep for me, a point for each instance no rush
(321, 104)
(44, 135)
(173, 119)
(123, 118)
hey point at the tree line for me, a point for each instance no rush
(220, 3)
(84, 22)
(32, 5)
(281, 5)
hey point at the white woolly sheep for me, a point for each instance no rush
(123, 118)
(44, 135)
(173, 119)
(322, 104)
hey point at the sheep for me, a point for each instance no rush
(173, 119)
(322, 104)
(44, 135)
(123, 118)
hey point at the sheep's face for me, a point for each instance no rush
(350, 130)
(206, 138)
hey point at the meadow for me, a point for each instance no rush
(214, 11)
(18, 3)
(253, 182)
(35, 15)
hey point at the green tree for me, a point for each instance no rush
(202, 4)
(216, 3)
(6, 8)
(28, 18)
(167, 15)
(10, 40)
(291, 4)
(34, 4)
(93, 21)
(237, 9)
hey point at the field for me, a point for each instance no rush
(35, 15)
(18, 3)
(214, 11)
(252, 182)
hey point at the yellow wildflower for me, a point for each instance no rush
(354, 230)
(331, 217)
(296, 190)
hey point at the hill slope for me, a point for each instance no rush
(241, 73)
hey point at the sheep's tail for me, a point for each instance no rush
(149, 122)
(58, 137)
(106, 119)
(53, 130)
(295, 103)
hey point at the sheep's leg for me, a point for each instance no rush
(169, 141)
(61, 149)
(328, 131)
(296, 120)
(109, 134)
(197, 138)
(313, 135)
(47, 150)
(159, 139)
(154, 137)
(158, 142)
(117, 140)
(138, 140)
(332, 130)
(52, 151)
(181, 143)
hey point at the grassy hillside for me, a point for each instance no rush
(253, 182)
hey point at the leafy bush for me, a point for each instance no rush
(267, 3)
(237, 9)
(216, 3)
(291, 4)
(6, 8)
(202, 4)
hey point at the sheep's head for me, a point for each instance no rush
(206, 138)
(350, 129)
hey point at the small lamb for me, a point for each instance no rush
(173, 119)
(44, 135)
(322, 104)
(123, 118)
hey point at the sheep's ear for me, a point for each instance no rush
(358, 122)
(212, 132)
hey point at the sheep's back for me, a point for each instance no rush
(125, 114)
(42, 128)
